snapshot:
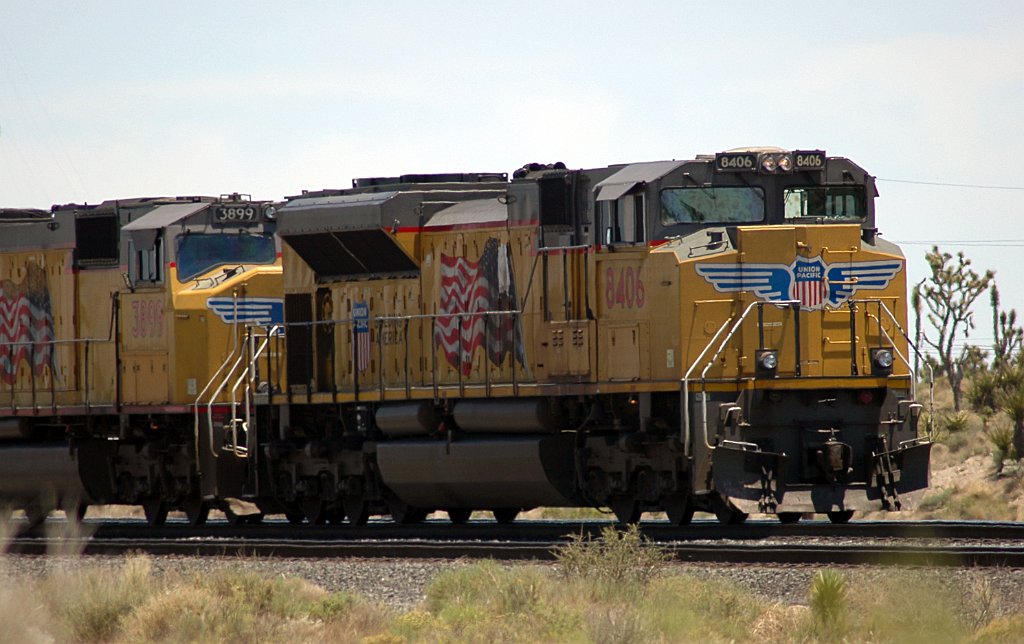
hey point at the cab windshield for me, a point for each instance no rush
(199, 253)
(727, 205)
(835, 203)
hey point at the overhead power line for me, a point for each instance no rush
(982, 243)
(951, 185)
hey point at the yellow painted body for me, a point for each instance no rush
(650, 317)
(171, 342)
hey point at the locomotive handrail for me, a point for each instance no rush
(905, 359)
(199, 396)
(378, 323)
(685, 389)
(703, 374)
(247, 375)
(32, 344)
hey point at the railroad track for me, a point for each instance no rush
(541, 530)
(991, 544)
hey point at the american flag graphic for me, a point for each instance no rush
(476, 287)
(26, 324)
(809, 284)
(361, 321)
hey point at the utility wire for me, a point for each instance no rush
(951, 185)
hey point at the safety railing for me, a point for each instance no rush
(685, 382)
(472, 331)
(882, 308)
(734, 323)
(243, 370)
(11, 356)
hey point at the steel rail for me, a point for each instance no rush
(742, 554)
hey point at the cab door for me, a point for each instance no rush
(144, 377)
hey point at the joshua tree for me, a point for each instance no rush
(948, 294)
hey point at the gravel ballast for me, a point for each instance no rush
(400, 583)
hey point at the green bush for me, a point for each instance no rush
(486, 600)
(956, 422)
(618, 562)
(1001, 438)
(90, 604)
(827, 599)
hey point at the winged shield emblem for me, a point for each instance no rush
(811, 281)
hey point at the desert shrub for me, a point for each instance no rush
(236, 605)
(983, 394)
(618, 562)
(827, 599)
(617, 624)
(90, 604)
(907, 606)
(689, 609)
(488, 601)
(956, 422)
(935, 501)
(1007, 628)
(1001, 438)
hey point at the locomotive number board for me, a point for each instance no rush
(735, 161)
(808, 160)
(236, 214)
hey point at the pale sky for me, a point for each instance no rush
(103, 100)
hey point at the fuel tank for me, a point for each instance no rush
(40, 472)
(512, 472)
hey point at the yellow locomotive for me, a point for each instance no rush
(115, 317)
(721, 334)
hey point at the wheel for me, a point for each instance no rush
(625, 508)
(156, 511)
(727, 513)
(36, 513)
(459, 516)
(295, 518)
(679, 509)
(406, 514)
(315, 511)
(840, 516)
(505, 516)
(357, 510)
(790, 517)
(197, 511)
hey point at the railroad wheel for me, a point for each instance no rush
(36, 513)
(505, 516)
(156, 511)
(315, 511)
(406, 514)
(357, 510)
(626, 508)
(840, 516)
(790, 517)
(679, 509)
(295, 518)
(459, 516)
(197, 511)
(727, 513)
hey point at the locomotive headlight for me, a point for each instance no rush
(768, 163)
(785, 163)
(881, 361)
(767, 361)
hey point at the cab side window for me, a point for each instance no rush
(622, 220)
(147, 263)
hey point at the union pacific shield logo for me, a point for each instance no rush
(810, 281)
